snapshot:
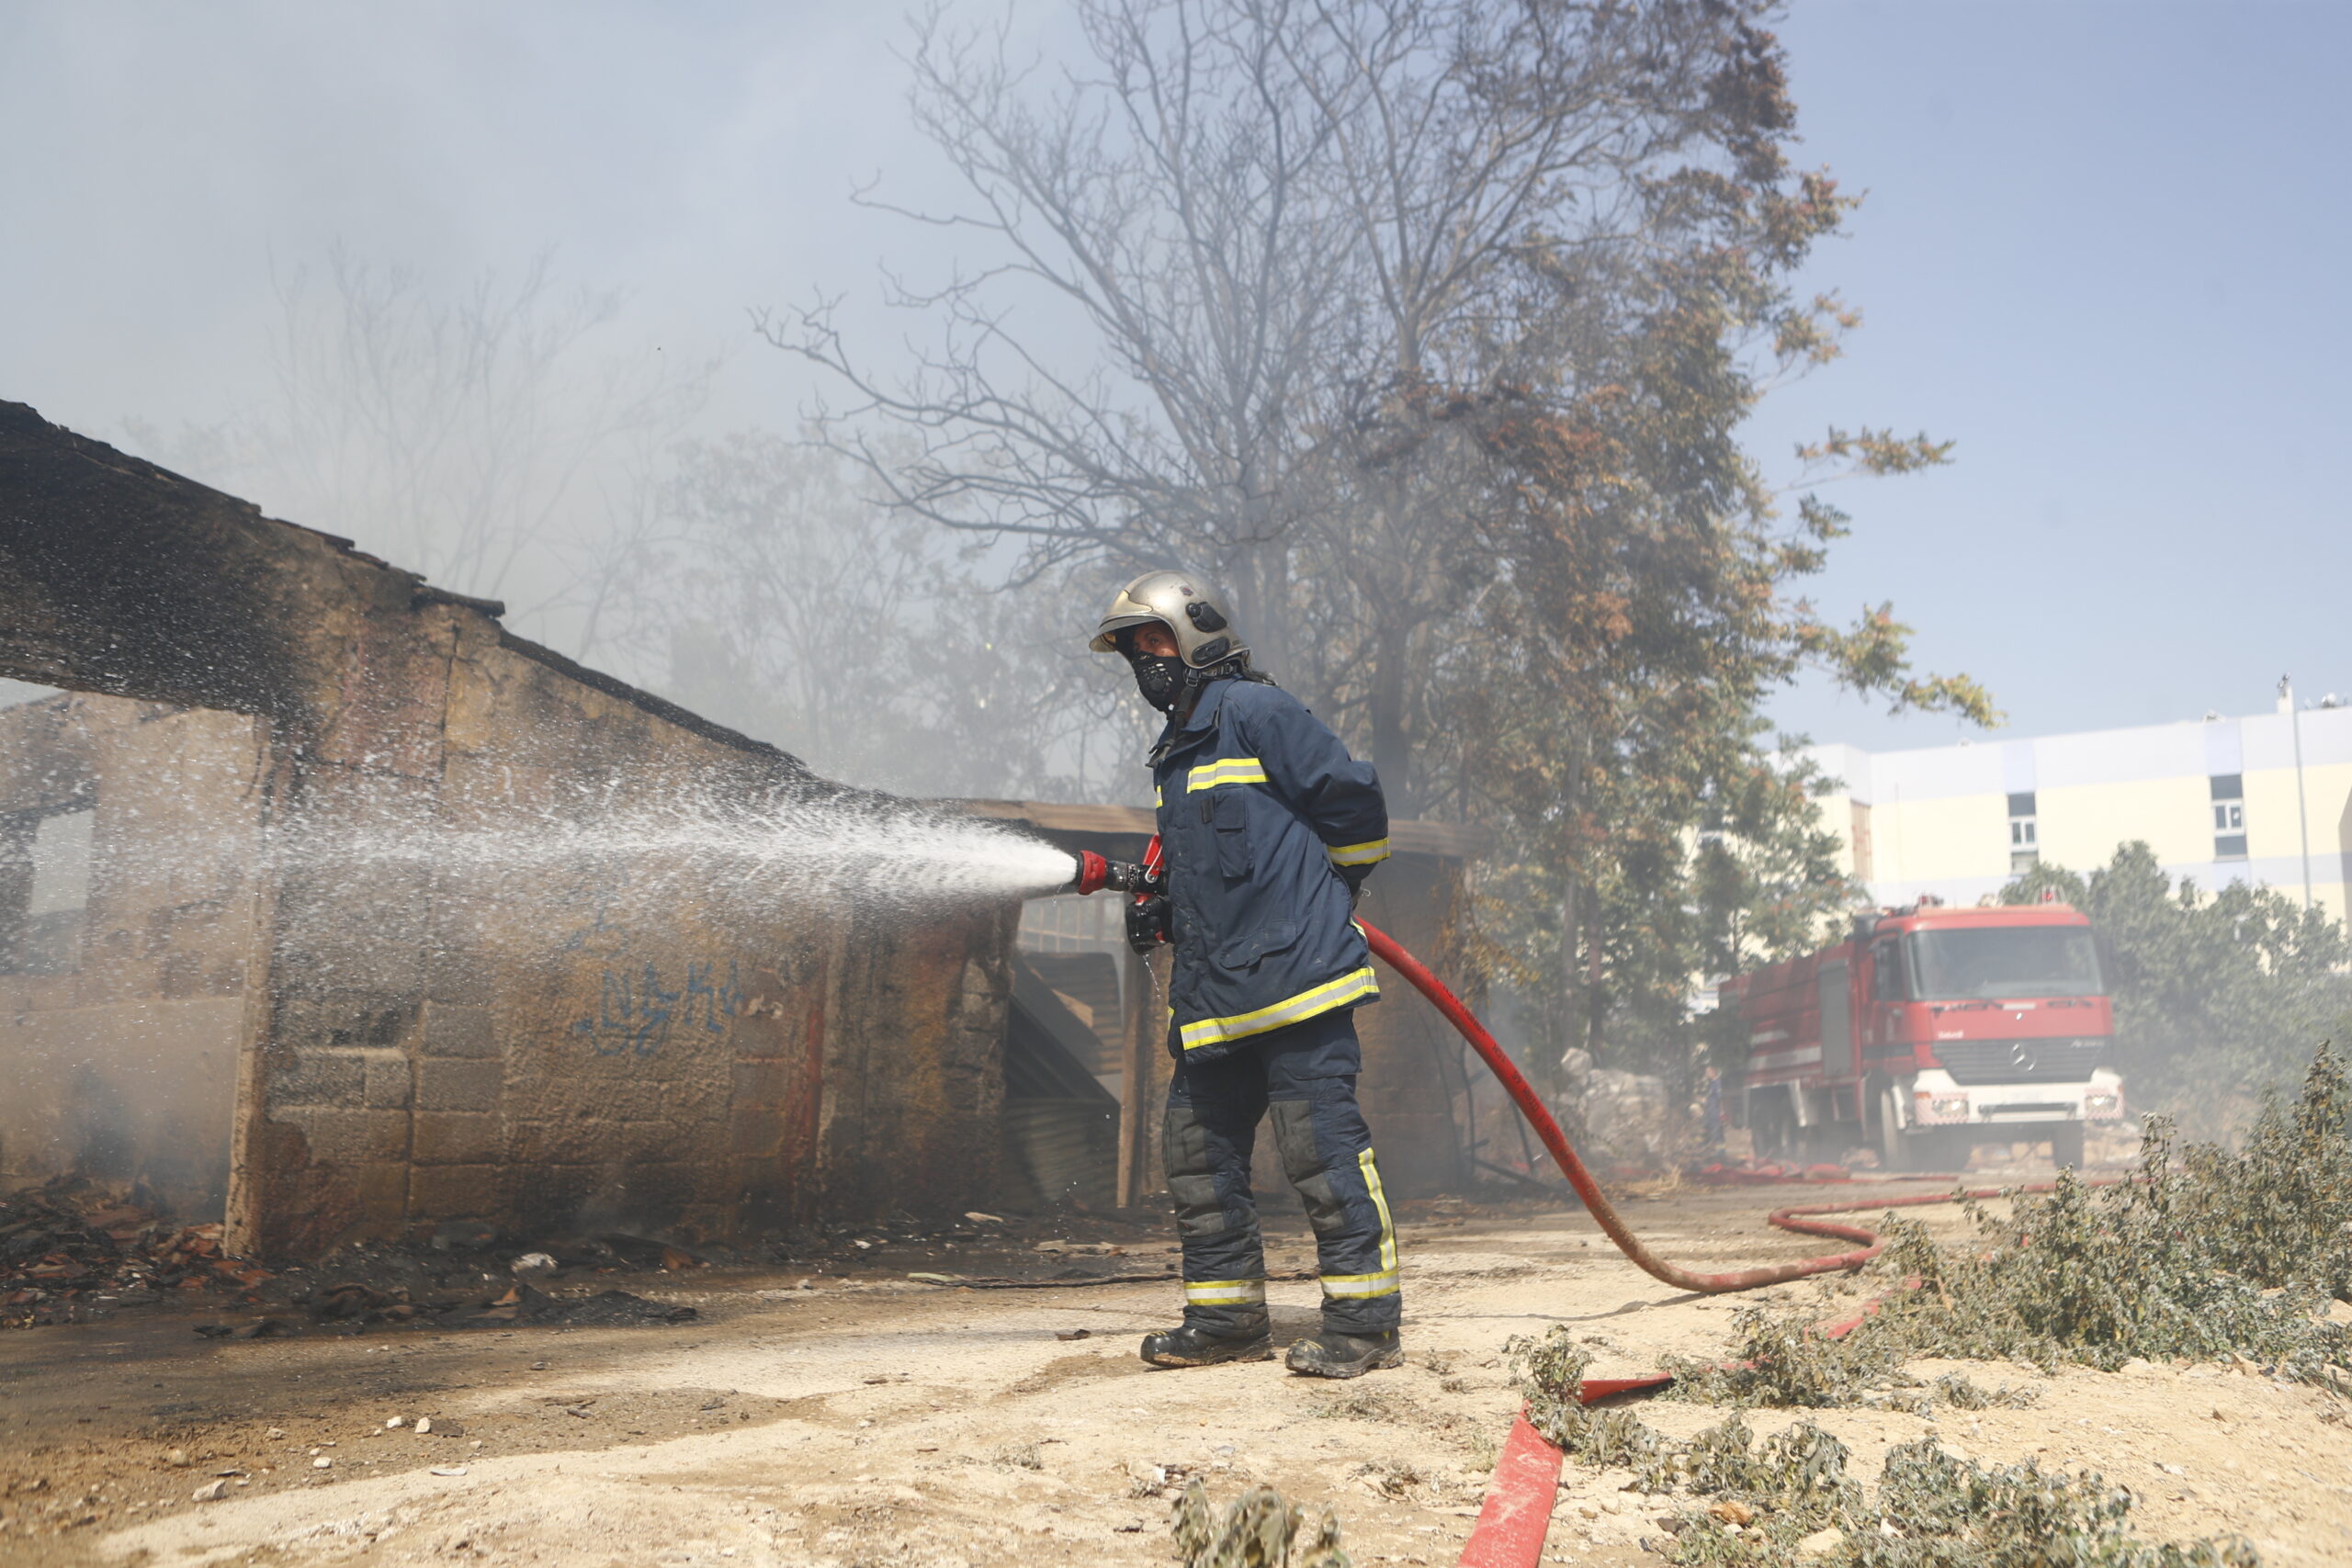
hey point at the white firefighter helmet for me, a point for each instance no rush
(1203, 635)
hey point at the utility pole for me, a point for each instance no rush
(2302, 812)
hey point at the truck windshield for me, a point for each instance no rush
(2004, 961)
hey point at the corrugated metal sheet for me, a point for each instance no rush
(1059, 1150)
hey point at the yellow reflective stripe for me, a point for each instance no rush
(1379, 1202)
(1348, 987)
(1155, 800)
(1226, 1292)
(1358, 854)
(1354, 1285)
(1225, 771)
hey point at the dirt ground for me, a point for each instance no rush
(868, 1419)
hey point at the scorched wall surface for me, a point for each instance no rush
(434, 1026)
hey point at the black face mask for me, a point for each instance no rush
(1158, 678)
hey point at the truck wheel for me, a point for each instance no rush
(2066, 1145)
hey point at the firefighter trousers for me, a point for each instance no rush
(1304, 1077)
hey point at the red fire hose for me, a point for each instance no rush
(1596, 1202)
(1517, 1513)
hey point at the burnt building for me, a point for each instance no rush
(311, 1045)
(406, 1030)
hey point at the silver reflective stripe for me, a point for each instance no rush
(1370, 853)
(1349, 1286)
(1226, 1292)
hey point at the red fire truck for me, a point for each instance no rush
(1930, 1030)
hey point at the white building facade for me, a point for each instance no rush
(2266, 800)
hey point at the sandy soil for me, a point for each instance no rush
(871, 1421)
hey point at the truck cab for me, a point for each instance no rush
(1930, 1030)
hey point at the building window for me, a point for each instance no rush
(2229, 815)
(44, 891)
(2025, 837)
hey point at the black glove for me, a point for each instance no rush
(1354, 875)
(1147, 923)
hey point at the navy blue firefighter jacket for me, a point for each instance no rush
(1260, 804)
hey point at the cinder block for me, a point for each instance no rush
(457, 1192)
(756, 1131)
(368, 934)
(383, 1193)
(456, 1137)
(456, 1029)
(760, 1083)
(551, 1196)
(389, 1086)
(658, 1192)
(587, 1097)
(345, 1017)
(562, 1141)
(319, 1078)
(701, 1097)
(640, 1141)
(456, 1085)
(352, 1137)
(455, 973)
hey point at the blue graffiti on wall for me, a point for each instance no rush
(635, 1015)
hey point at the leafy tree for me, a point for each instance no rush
(2219, 998)
(1429, 326)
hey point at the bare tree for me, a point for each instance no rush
(1158, 220)
(493, 439)
(769, 594)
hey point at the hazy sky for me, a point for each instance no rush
(2102, 251)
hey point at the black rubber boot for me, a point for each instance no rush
(1329, 1354)
(1192, 1346)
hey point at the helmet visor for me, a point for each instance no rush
(1106, 636)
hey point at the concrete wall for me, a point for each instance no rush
(594, 1041)
(120, 1030)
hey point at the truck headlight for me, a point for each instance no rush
(2102, 1104)
(1949, 1107)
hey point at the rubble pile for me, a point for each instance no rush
(71, 1244)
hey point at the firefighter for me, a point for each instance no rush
(1270, 829)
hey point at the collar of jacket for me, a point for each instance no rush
(1200, 722)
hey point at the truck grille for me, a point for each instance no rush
(2021, 1061)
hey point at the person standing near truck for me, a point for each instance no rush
(1269, 830)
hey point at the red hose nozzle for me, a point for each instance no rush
(1095, 873)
